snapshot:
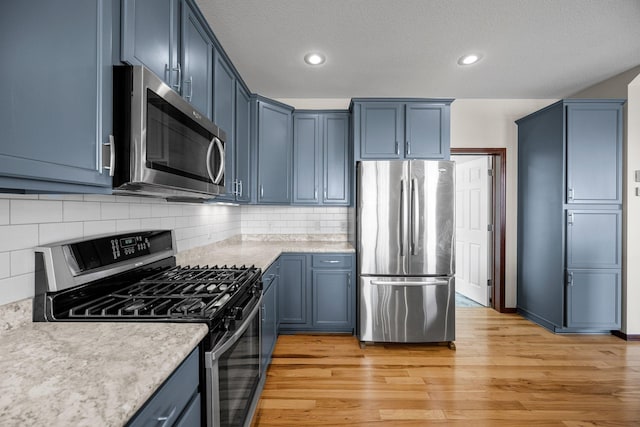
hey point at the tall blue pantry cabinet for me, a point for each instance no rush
(570, 215)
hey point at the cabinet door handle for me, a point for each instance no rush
(570, 218)
(165, 418)
(570, 278)
(261, 191)
(570, 194)
(190, 81)
(239, 188)
(178, 86)
(315, 194)
(111, 155)
(408, 147)
(331, 261)
(397, 149)
(349, 281)
(264, 312)
(167, 74)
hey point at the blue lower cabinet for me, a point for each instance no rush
(332, 299)
(594, 299)
(317, 293)
(294, 308)
(176, 402)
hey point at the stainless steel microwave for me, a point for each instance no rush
(162, 145)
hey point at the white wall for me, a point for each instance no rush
(631, 214)
(490, 123)
(32, 220)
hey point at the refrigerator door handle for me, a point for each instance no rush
(414, 184)
(401, 284)
(401, 222)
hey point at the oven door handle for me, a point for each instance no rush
(220, 349)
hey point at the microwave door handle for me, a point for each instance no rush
(218, 144)
(209, 152)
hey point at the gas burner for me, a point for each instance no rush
(189, 306)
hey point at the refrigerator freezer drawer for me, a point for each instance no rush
(407, 309)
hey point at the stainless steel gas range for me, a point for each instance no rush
(133, 277)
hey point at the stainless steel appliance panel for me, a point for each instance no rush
(164, 147)
(382, 217)
(431, 218)
(407, 309)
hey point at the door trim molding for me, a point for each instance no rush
(499, 212)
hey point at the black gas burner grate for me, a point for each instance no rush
(180, 292)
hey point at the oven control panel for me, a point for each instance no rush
(105, 251)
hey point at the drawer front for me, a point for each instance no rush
(172, 397)
(332, 261)
(192, 416)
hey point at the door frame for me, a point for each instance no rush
(499, 188)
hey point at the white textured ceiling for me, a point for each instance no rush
(530, 48)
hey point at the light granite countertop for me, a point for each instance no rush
(260, 251)
(85, 373)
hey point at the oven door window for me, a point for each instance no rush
(239, 373)
(178, 145)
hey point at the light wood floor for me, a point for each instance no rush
(506, 371)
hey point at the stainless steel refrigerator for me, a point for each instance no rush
(405, 247)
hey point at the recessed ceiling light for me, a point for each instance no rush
(472, 58)
(314, 58)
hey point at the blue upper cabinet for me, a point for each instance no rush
(150, 31)
(401, 129)
(197, 61)
(336, 169)
(381, 128)
(307, 158)
(427, 131)
(170, 38)
(224, 99)
(57, 90)
(242, 146)
(321, 172)
(594, 152)
(274, 142)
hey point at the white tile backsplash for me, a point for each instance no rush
(80, 211)
(5, 265)
(14, 237)
(294, 220)
(29, 221)
(50, 233)
(35, 211)
(15, 288)
(22, 262)
(4, 212)
(114, 211)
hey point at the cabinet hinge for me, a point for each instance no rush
(489, 227)
(490, 172)
(489, 282)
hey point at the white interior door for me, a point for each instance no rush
(472, 227)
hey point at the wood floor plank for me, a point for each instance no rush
(506, 371)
